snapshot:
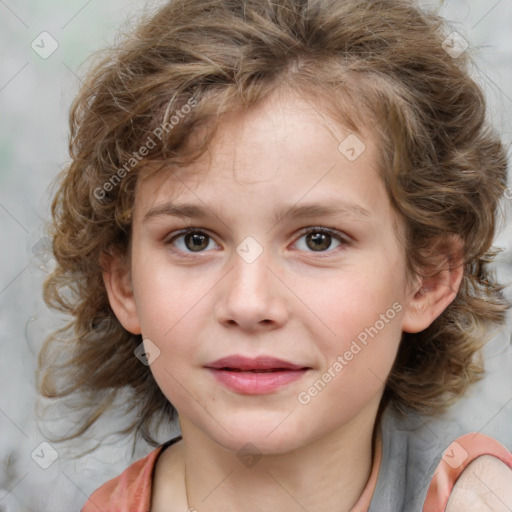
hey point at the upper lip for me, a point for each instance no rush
(250, 363)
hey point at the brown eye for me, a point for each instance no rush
(321, 240)
(190, 241)
(318, 241)
(196, 241)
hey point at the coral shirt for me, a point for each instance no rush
(131, 491)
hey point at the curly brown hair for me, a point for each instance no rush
(381, 64)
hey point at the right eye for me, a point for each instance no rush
(190, 241)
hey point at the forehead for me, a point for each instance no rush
(287, 148)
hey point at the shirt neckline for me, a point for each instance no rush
(362, 504)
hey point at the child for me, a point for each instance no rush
(278, 219)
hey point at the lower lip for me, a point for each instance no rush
(252, 383)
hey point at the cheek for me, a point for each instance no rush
(174, 309)
(355, 371)
(365, 352)
(361, 314)
(354, 300)
(166, 299)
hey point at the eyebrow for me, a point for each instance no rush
(330, 208)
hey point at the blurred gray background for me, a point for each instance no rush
(38, 80)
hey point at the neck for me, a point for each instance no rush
(327, 474)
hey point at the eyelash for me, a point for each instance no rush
(343, 239)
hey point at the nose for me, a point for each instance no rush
(252, 295)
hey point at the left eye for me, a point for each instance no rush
(320, 239)
(316, 240)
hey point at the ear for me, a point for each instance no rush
(118, 283)
(432, 294)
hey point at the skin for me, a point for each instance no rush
(485, 485)
(293, 302)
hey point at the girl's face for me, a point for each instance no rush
(294, 257)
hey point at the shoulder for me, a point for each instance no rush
(131, 490)
(485, 485)
(473, 475)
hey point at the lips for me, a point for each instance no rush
(259, 364)
(255, 376)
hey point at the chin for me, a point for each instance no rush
(259, 438)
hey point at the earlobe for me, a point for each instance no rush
(117, 278)
(431, 295)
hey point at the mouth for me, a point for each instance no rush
(270, 370)
(249, 376)
(261, 364)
